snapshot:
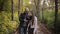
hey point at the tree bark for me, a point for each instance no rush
(37, 5)
(2, 4)
(18, 8)
(56, 15)
(43, 8)
(12, 4)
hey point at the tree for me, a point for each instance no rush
(56, 15)
(37, 5)
(5, 5)
(43, 11)
(1, 5)
(18, 7)
(12, 4)
(38, 11)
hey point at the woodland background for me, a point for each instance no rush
(47, 11)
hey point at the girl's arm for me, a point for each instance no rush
(35, 22)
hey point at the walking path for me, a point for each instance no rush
(41, 29)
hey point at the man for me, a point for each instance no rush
(24, 17)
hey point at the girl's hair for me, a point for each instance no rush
(32, 12)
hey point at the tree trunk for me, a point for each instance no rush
(37, 8)
(56, 15)
(43, 7)
(2, 4)
(18, 8)
(12, 4)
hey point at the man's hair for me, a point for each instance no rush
(27, 8)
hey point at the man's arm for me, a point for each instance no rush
(21, 17)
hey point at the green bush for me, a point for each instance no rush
(48, 18)
(6, 25)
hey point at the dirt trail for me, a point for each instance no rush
(41, 29)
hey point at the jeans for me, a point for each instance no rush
(30, 30)
(23, 30)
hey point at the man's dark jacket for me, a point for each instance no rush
(22, 17)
